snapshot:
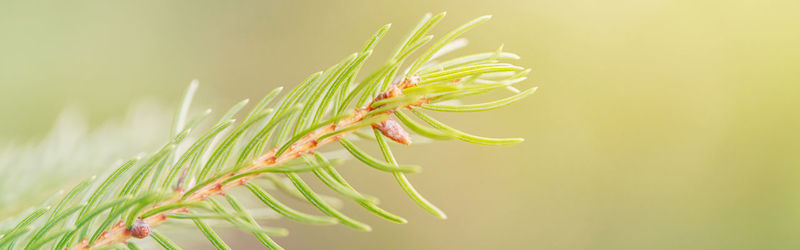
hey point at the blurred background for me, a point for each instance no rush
(657, 125)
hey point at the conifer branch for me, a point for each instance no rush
(284, 138)
(275, 157)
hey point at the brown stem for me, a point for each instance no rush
(119, 233)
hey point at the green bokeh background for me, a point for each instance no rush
(657, 125)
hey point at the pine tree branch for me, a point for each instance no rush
(178, 184)
(306, 145)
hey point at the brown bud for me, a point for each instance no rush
(390, 128)
(140, 229)
(392, 92)
(410, 82)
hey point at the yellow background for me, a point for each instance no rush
(657, 124)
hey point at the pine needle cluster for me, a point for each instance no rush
(192, 176)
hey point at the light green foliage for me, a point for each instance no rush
(158, 182)
(34, 171)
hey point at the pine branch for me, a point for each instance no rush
(172, 184)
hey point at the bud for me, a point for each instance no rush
(410, 82)
(393, 91)
(140, 229)
(390, 128)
